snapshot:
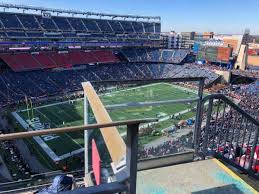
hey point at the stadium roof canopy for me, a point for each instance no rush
(77, 12)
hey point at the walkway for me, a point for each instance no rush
(174, 136)
(202, 177)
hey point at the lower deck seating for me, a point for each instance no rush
(155, 55)
(14, 86)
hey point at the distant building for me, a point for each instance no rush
(203, 36)
(187, 39)
(233, 41)
(183, 40)
(172, 40)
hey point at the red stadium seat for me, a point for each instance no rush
(21, 61)
(105, 56)
(10, 60)
(44, 60)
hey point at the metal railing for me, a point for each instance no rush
(228, 132)
(222, 130)
(129, 184)
(132, 133)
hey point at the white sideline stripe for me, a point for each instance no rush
(72, 153)
(42, 144)
(63, 133)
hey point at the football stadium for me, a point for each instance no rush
(108, 103)
(59, 114)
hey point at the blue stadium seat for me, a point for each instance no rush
(167, 55)
(46, 23)
(104, 26)
(157, 27)
(2, 34)
(35, 34)
(149, 27)
(28, 21)
(10, 20)
(155, 55)
(142, 54)
(138, 27)
(69, 34)
(127, 26)
(116, 26)
(132, 36)
(77, 24)
(143, 36)
(53, 35)
(16, 34)
(110, 36)
(62, 23)
(40, 83)
(130, 54)
(34, 26)
(91, 25)
(92, 36)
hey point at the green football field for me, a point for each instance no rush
(71, 113)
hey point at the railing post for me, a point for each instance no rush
(207, 127)
(198, 117)
(86, 145)
(132, 156)
(253, 148)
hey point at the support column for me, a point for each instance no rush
(86, 140)
(198, 118)
(132, 156)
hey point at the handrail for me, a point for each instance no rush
(146, 81)
(231, 103)
(237, 133)
(27, 134)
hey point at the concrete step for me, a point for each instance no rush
(202, 177)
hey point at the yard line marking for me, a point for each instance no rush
(57, 126)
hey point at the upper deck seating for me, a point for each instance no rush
(116, 26)
(10, 21)
(77, 24)
(127, 26)
(138, 27)
(62, 23)
(28, 21)
(149, 27)
(46, 23)
(91, 25)
(104, 26)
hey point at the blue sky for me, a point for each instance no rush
(222, 16)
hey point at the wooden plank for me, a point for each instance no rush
(114, 142)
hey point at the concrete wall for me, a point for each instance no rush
(168, 160)
(226, 75)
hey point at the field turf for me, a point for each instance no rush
(71, 114)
